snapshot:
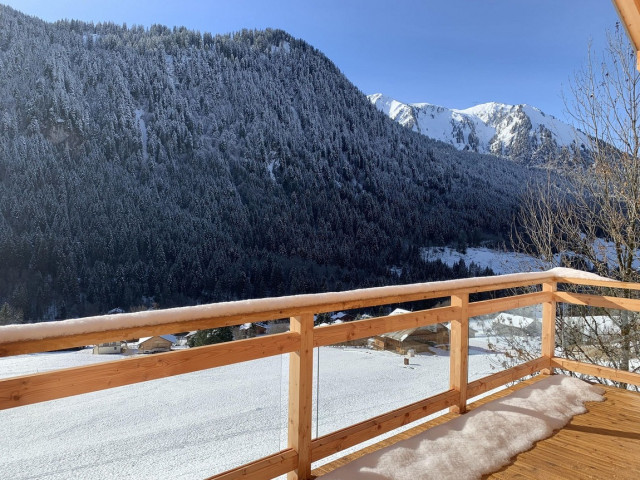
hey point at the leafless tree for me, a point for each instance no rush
(589, 216)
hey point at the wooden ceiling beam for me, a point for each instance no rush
(629, 13)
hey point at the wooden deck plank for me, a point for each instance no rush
(602, 443)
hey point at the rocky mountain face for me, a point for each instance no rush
(521, 133)
(168, 166)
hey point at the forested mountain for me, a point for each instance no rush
(519, 132)
(165, 165)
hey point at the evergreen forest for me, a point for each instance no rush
(143, 166)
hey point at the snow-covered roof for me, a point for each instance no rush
(517, 321)
(402, 335)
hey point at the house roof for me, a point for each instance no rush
(170, 338)
(402, 335)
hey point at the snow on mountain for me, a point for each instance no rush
(520, 132)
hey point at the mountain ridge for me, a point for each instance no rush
(519, 132)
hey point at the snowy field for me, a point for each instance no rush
(199, 424)
(501, 262)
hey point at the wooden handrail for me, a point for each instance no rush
(370, 327)
(615, 303)
(67, 382)
(590, 282)
(299, 342)
(596, 371)
(347, 437)
(32, 338)
(267, 467)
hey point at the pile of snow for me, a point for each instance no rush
(481, 441)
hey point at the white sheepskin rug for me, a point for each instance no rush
(481, 441)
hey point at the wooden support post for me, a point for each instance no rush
(459, 351)
(549, 326)
(300, 396)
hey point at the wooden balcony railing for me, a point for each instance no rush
(300, 341)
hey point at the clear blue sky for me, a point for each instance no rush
(455, 53)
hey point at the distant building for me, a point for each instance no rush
(157, 344)
(418, 339)
(250, 330)
(342, 317)
(106, 348)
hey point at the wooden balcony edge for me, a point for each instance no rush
(337, 441)
(267, 467)
(596, 371)
(483, 385)
(31, 338)
(597, 283)
(615, 303)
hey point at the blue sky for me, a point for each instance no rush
(455, 53)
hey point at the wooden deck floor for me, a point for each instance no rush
(603, 443)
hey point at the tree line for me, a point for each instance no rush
(169, 166)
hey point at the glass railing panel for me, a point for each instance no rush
(499, 341)
(604, 337)
(188, 426)
(358, 380)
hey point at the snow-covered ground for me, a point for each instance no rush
(199, 424)
(503, 262)
(500, 261)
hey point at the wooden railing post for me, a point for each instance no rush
(300, 396)
(549, 325)
(459, 351)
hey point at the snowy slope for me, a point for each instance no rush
(195, 425)
(520, 132)
(500, 261)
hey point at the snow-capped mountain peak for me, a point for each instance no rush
(520, 132)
